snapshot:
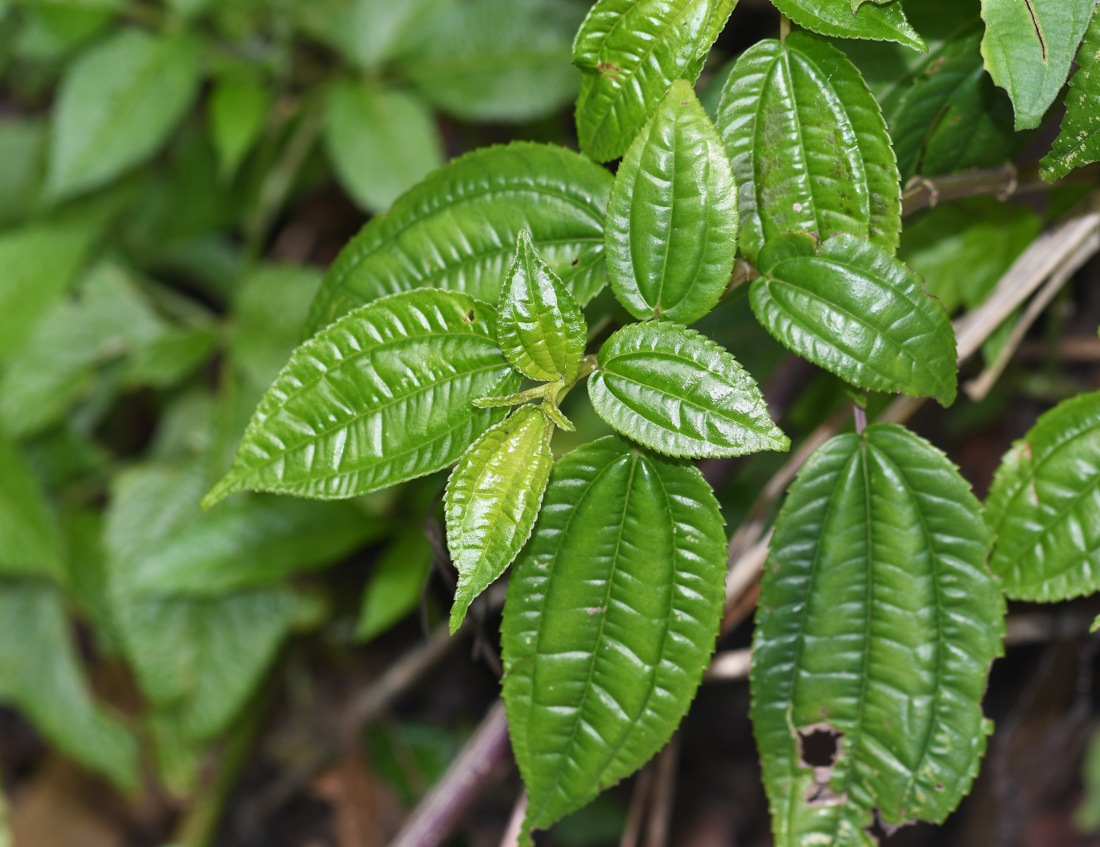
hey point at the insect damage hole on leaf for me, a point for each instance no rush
(819, 750)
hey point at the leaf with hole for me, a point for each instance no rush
(858, 312)
(847, 19)
(672, 220)
(808, 146)
(457, 229)
(875, 630)
(611, 617)
(679, 393)
(1078, 142)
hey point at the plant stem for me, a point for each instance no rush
(1003, 182)
(784, 27)
(514, 829)
(860, 416)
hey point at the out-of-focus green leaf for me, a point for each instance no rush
(171, 358)
(808, 146)
(879, 22)
(816, 305)
(1078, 143)
(237, 111)
(497, 60)
(875, 630)
(382, 396)
(22, 164)
(630, 52)
(493, 498)
(395, 585)
(381, 142)
(30, 541)
(1086, 817)
(679, 393)
(116, 106)
(382, 30)
(456, 230)
(672, 220)
(1044, 506)
(52, 32)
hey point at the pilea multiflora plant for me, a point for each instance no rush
(883, 598)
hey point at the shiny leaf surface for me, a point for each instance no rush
(1078, 143)
(808, 146)
(611, 617)
(457, 230)
(672, 220)
(679, 393)
(382, 396)
(846, 19)
(858, 312)
(875, 630)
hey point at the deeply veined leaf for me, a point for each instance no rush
(1078, 143)
(117, 105)
(238, 109)
(848, 19)
(382, 396)
(631, 51)
(1044, 506)
(858, 312)
(875, 630)
(30, 542)
(457, 229)
(679, 393)
(672, 220)
(611, 617)
(808, 146)
(492, 500)
(1029, 46)
(540, 327)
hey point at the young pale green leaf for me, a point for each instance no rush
(456, 230)
(679, 393)
(380, 142)
(237, 112)
(1078, 143)
(1029, 46)
(492, 500)
(1044, 506)
(630, 52)
(858, 312)
(396, 585)
(671, 230)
(117, 105)
(382, 396)
(853, 19)
(611, 617)
(875, 630)
(808, 146)
(30, 540)
(540, 327)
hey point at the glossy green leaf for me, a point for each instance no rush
(492, 500)
(1078, 143)
(396, 585)
(382, 396)
(611, 617)
(540, 327)
(457, 229)
(858, 312)
(380, 142)
(117, 105)
(30, 540)
(672, 220)
(808, 146)
(237, 111)
(630, 52)
(846, 19)
(497, 60)
(875, 630)
(679, 393)
(1029, 46)
(1044, 506)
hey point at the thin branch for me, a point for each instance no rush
(729, 665)
(664, 795)
(514, 829)
(639, 802)
(1002, 182)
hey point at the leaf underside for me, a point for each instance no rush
(1078, 143)
(878, 22)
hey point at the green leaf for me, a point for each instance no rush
(875, 630)
(456, 229)
(630, 52)
(22, 164)
(492, 500)
(381, 142)
(117, 104)
(1029, 46)
(819, 306)
(382, 30)
(497, 60)
(1086, 817)
(382, 396)
(1044, 506)
(885, 22)
(611, 617)
(30, 540)
(1078, 142)
(41, 675)
(672, 220)
(540, 327)
(808, 146)
(237, 111)
(679, 393)
(396, 584)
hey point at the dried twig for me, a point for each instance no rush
(639, 802)
(664, 795)
(729, 666)
(514, 829)
(1003, 182)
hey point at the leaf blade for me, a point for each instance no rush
(876, 22)
(1077, 143)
